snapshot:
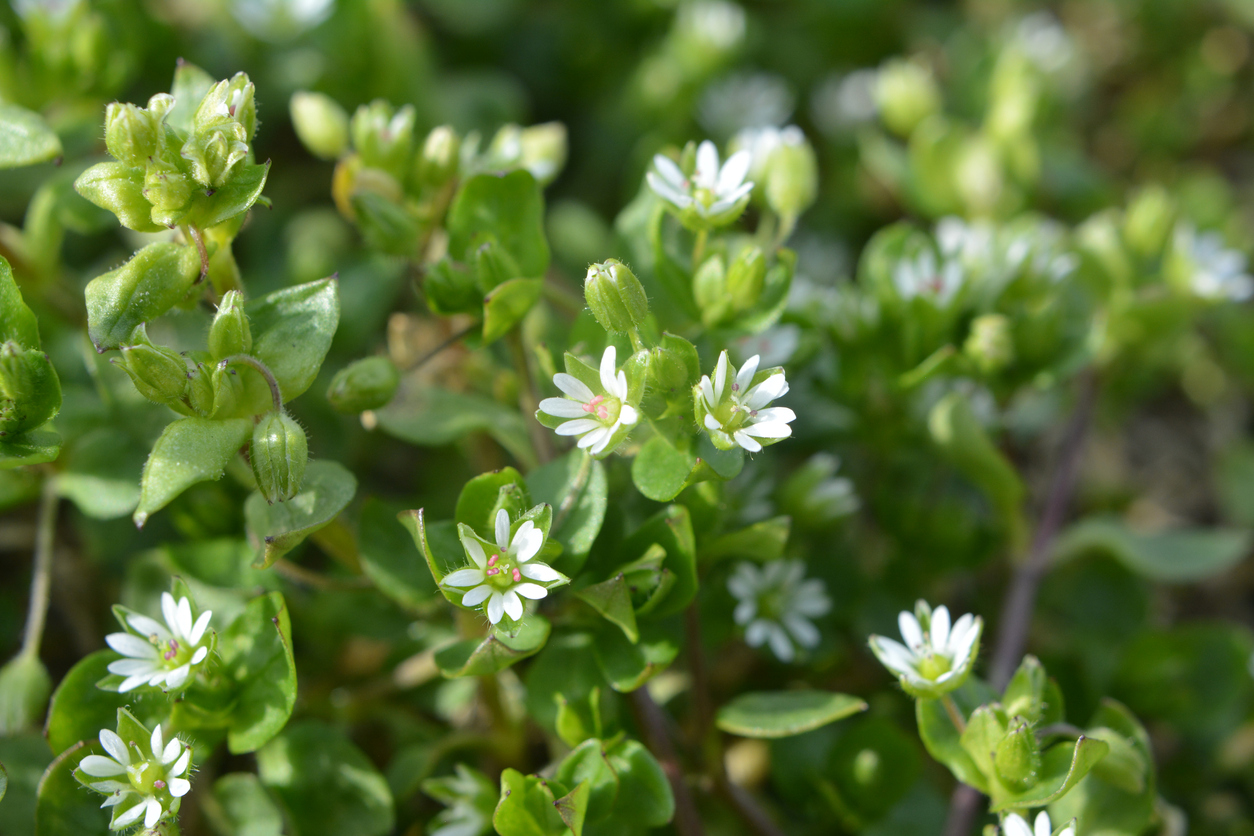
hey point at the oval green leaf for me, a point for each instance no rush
(772, 714)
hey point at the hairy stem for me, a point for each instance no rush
(41, 574)
(249, 360)
(636, 343)
(698, 249)
(955, 715)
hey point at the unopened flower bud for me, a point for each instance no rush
(168, 190)
(24, 689)
(793, 181)
(160, 374)
(279, 454)
(228, 101)
(1149, 220)
(320, 123)
(673, 366)
(214, 153)
(1018, 756)
(229, 334)
(384, 139)
(990, 343)
(367, 384)
(130, 133)
(709, 287)
(228, 391)
(200, 390)
(745, 278)
(30, 392)
(543, 150)
(906, 94)
(437, 163)
(615, 296)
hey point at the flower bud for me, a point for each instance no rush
(1149, 220)
(543, 150)
(200, 390)
(228, 391)
(792, 179)
(30, 392)
(229, 334)
(228, 101)
(168, 190)
(615, 296)
(160, 374)
(1017, 758)
(437, 164)
(214, 153)
(130, 133)
(906, 94)
(320, 123)
(24, 689)
(279, 454)
(673, 366)
(367, 384)
(990, 343)
(745, 278)
(384, 139)
(709, 287)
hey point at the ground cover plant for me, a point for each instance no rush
(679, 416)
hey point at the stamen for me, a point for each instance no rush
(735, 387)
(493, 571)
(517, 576)
(594, 405)
(158, 784)
(492, 560)
(172, 652)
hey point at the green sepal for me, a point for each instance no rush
(484, 495)
(440, 547)
(529, 807)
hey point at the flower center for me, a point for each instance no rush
(604, 408)
(173, 652)
(706, 197)
(733, 415)
(501, 575)
(933, 666)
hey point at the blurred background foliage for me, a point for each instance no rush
(983, 109)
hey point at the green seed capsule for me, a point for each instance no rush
(279, 454)
(230, 333)
(1018, 756)
(366, 384)
(160, 374)
(615, 295)
(746, 277)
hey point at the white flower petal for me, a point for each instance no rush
(131, 645)
(184, 619)
(599, 436)
(513, 604)
(199, 655)
(527, 544)
(667, 192)
(939, 631)
(129, 816)
(744, 377)
(496, 607)
(198, 629)
(132, 682)
(746, 442)
(153, 813)
(620, 386)
(579, 426)
(115, 746)
(711, 423)
(541, 572)
(720, 376)
(562, 408)
(707, 392)
(706, 174)
(757, 632)
(157, 742)
(464, 577)
(745, 611)
(734, 171)
(176, 677)
(476, 596)
(474, 549)
(608, 367)
(179, 787)
(146, 626)
(780, 644)
(768, 429)
(502, 530)
(910, 630)
(780, 414)
(170, 611)
(101, 767)
(669, 171)
(806, 634)
(766, 391)
(1043, 825)
(171, 752)
(531, 590)
(184, 761)
(627, 415)
(1014, 825)
(130, 667)
(573, 386)
(893, 655)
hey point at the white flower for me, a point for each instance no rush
(138, 783)
(776, 605)
(1214, 271)
(735, 412)
(498, 579)
(1016, 825)
(596, 417)
(936, 657)
(161, 654)
(925, 277)
(713, 195)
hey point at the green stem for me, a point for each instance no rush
(199, 240)
(528, 398)
(954, 714)
(41, 574)
(698, 249)
(249, 360)
(636, 343)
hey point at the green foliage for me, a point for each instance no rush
(773, 714)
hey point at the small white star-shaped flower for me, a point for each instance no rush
(498, 579)
(713, 196)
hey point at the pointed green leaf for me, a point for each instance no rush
(190, 450)
(34, 447)
(439, 545)
(119, 188)
(1173, 556)
(627, 666)
(613, 601)
(511, 209)
(79, 710)
(432, 417)
(62, 806)
(1062, 767)
(573, 807)
(156, 279)
(25, 138)
(478, 501)
(763, 542)
(292, 330)
(527, 807)
(277, 529)
(17, 320)
(236, 196)
(772, 714)
(660, 470)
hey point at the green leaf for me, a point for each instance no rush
(496, 652)
(1174, 556)
(63, 807)
(941, 739)
(236, 196)
(243, 807)
(626, 665)
(24, 689)
(612, 600)
(389, 559)
(79, 710)
(507, 304)
(670, 529)
(565, 670)
(277, 529)
(432, 417)
(481, 497)
(292, 330)
(773, 714)
(256, 655)
(25, 138)
(326, 784)
(575, 485)
(644, 793)
(17, 321)
(1062, 767)
(440, 547)
(573, 808)
(763, 542)
(190, 450)
(119, 188)
(587, 765)
(101, 473)
(156, 279)
(34, 447)
(25, 756)
(511, 209)
(386, 226)
(660, 470)
(527, 807)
